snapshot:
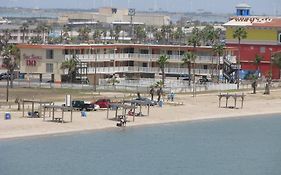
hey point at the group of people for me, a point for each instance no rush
(159, 93)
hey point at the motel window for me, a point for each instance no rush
(50, 54)
(130, 63)
(49, 67)
(144, 64)
(279, 38)
(142, 51)
(66, 51)
(205, 67)
(169, 52)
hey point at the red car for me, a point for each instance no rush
(103, 103)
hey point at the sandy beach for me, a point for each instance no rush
(203, 106)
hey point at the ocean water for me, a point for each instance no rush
(238, 146)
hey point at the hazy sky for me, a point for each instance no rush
(222, 6)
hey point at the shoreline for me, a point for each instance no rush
(64, 133)
(200, 108)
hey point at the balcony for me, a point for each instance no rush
(154, 70)
(142, 57)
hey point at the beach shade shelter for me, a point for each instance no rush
(53, 108)
(33, 103)
(123, 107)
(234, 96)
(140, 104)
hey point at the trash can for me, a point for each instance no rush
(161, 103)
(83, 114)
(7, 116)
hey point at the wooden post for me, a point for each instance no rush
(116, 112)
(134, 112)
(242, 103)
(44, 113)
(23, 108)
(62, 115)
(226, 99)
(32, 107)
(235, 99)
(53, 114)
(107, 112)
(40, 110)
(220, 100)
(71, 114)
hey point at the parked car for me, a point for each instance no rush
(151, 102)
(103, 103)
(82, 105)
(4, 76)
(204, 80)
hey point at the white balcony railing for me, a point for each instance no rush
(146, 57)
(131, 69)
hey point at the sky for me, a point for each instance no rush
(259, 7)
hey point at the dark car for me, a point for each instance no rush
(103, 102)
(4, 76)
(82, 105)
(204, 80)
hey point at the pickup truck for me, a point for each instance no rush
(82, 105)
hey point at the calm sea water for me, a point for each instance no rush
(244, 146)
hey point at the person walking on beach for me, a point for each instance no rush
(159, 93)
(139, 96)
(152, 91)
(254, 86)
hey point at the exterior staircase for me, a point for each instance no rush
(229, 70)
(81, 71)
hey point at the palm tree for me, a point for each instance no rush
(257, 61)
(24, 30)
(276, 60)
(65, 37)
(195, 40)
(42, 29)
(179, 35)
(96, 36)
(70, 65)
(83, 35)
(4, 39)
(162, 62)
(11, 59)
(140, 33)
(218, 50)
(104, 34)
(117, 31)
(188, 59)
(239, 33)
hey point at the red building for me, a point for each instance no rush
(263, 39)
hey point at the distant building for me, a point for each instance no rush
(263, 39)
(110, 15)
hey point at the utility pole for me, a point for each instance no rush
(131, 13)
